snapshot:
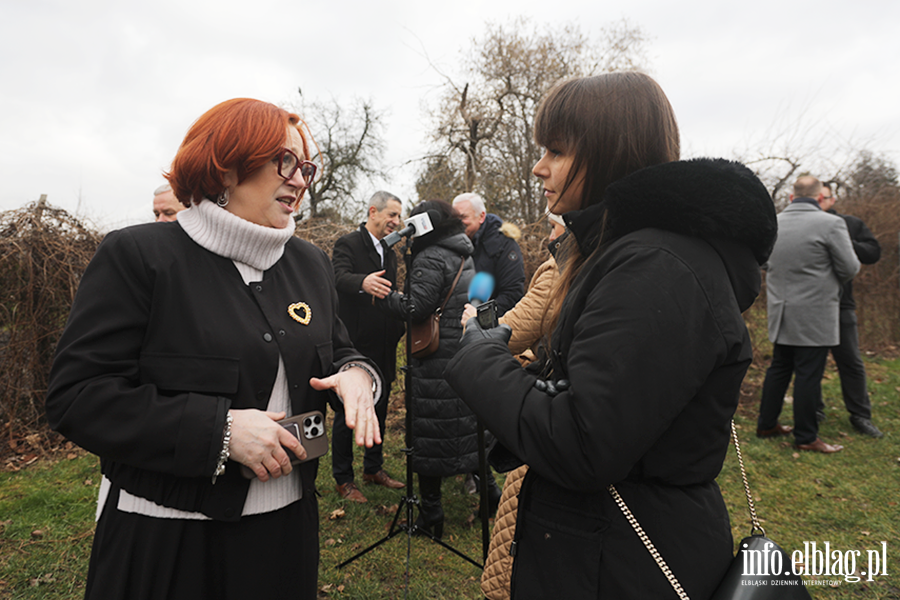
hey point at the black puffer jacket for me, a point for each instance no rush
(444, 429)
(498, 254)
(652, 340)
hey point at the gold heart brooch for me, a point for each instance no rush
(307, 312)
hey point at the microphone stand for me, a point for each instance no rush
(409, 502)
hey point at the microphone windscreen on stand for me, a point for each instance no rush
(418, 225)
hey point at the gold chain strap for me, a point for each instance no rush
(649, 545)
(737, 447)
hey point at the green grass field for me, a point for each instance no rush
(849, 499)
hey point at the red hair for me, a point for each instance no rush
(240, 134)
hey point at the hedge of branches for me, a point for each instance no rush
(876, 288)
(44, 250)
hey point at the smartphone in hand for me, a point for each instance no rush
(309, 428)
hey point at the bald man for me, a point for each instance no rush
(165, 204)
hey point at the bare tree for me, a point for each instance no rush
(483, 128)
(349, 147)
(439, 180)
(868, 176)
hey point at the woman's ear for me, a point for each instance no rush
(230, 179)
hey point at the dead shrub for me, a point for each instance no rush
(43, 252)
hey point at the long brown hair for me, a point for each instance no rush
(613, 124)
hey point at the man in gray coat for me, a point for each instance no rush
(813, 257)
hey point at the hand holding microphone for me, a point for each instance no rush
(480, 304)
(484, 324)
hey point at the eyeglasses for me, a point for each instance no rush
(288, 163)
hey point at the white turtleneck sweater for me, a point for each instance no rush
(253, 249)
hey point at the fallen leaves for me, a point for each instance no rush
(45, 578)
(337, 514)
(328, 587)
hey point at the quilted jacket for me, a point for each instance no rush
(445, 434)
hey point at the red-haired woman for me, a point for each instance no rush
(186, 342)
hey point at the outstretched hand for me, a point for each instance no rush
(354, 388)
(376, 285)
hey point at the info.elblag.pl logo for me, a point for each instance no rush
(817, 561)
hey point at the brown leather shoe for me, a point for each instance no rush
(820, 446)
(349, 491)
(382, 478)
(775, 431)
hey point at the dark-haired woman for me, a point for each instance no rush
(445, 437)
(185, 343)
(663, 258)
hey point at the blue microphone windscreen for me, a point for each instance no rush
(482, 287)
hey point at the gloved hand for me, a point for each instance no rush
(474, 332)
(551, 387)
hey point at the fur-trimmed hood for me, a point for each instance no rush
(713, 199)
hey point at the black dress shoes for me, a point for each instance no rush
(865, 427)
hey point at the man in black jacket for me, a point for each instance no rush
(497, 253)
(496, 250)
(365, 269)
(846, 355)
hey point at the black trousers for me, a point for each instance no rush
(808, 363)
(851, 368)
(342, 443)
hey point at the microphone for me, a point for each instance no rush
(419, 225)
(481, 288)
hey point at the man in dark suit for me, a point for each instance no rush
(846, 354)
(365, 269)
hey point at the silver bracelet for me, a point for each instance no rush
(225, 452)
(368, 371)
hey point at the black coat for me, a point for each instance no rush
(445, 440)
(164, 337)
(652, 340)
(867, 250)
(499, 255)
(353, 258)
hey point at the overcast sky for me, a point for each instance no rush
(97, 95)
